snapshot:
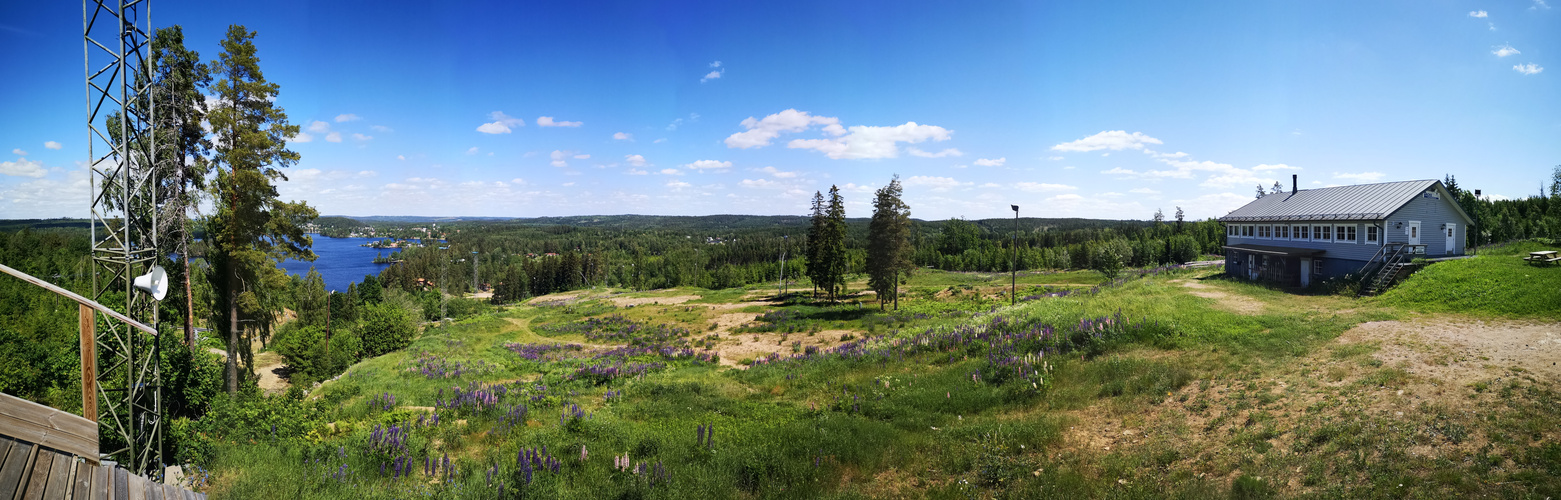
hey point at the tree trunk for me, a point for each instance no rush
(232, 332)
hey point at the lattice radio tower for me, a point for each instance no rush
(121, 153)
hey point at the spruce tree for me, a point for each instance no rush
(815, 234)
(832, 245)
(252, 230)
(888, 243)
(179, 79)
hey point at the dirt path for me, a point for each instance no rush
(1234, 303)
(664, 301)
(267, 366)
(1459, 351)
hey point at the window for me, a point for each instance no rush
(1322, 233)
(1302, 233)
(1283, 232)
(1344, 234)
(1230, 230)
(1263, 232)
(1317, 267)
(1246, 230)
(1371, 235)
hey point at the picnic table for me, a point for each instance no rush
(1543, 257)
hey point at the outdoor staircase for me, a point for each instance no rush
(1385, 268)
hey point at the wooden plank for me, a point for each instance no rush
(38, 480)
(83, 481)
(5, 448)
(89, 366)
(102, 479)
(59, 477)
(35, 423)
(121, 484)
(154, 491)
(13, 473)
(136, 487)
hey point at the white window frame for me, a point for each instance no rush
(1373, 235)
(1325, 229)
(1285, 233)
(1339, 232)
(1264, 231)
(1246, 230)
(1301, 232)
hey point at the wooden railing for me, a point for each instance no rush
(48, 453)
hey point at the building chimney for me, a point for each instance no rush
(1293, 181)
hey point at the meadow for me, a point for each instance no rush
(1168, 382)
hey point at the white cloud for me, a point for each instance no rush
(1120, 171)
(559, 158)
(1143, 191)
(940, 154)
(1115, 140)
(1054, 158)
(872, 142)
(382, 128)
(367, 173)
(1360, 177)
(670, 171)
(582, 157)
(992, 185)
(22, 167)
(1478, 13)
(678, 185)
(301, 137)
(759, 183)
(1157, 154)
(347, 117)
(19, 152)
(333, 137)
(1041, 187)
(635, 171)
(401, 157)
(1539, 4)
(1277, 166)
(713, 74)
(547, 121)
(777, 173)
(984, 162)
(635, 160)
(501, 123)
(936, 184)
(52, 145)
(716, 64)
(1212, 205)
(319, 127)
(761, 132)
(1529, 69)
(472, 151)
(620, 136)
(1505, 50)
(710, 165)
(362, 137)
(659, 141)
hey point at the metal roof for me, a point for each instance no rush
(1358, 202)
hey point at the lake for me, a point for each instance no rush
(342, 261)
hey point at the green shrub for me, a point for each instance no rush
(386, 328)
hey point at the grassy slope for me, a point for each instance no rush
(1230, 404)
(1495, 283)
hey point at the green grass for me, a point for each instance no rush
(1496, 283)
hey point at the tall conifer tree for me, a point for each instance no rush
(252, 230)
(888, 243)
(179, 80)
(815, 243)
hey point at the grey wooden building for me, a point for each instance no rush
(1306, 235)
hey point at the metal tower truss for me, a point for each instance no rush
(117, 48)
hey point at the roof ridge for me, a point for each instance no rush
(1370, 184)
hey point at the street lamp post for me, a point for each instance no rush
(1013, 262)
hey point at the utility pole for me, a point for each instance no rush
(1013, 262)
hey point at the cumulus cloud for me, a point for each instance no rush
(560, 158)
(1054, 158)
(709, 165)
(635, 171)
(333, 137)
(382, 128)
(1115, 140)
(362, 137)
(777, 173)
(1505, 50)
(761, 132)
(620, 136)
(1042, 187)
(934, 183)
(1360, 177)
(501, 123)
(947, 152)
(319, 127)
(872, 142)
(401, 157)
(676, 185)
(19, 152)
(714, 74)
(1143, 191)
(1277, 166)
(347, 117)
(23, 167)
(1529, 69)
(52, 145)
(634, 160)
(1478, 13)
(1539, 4)
(301, 137)
(984, 162)
(670, 171)
(759, 184)
(472, 151)
(547, 121)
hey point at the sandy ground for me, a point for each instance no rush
(1460, 351)
(665, 301)
(267, 366)
(1234, 303)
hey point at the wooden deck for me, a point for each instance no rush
(48, 454)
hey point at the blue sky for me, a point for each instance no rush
(1085, 109)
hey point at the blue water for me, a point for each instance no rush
(342, 261)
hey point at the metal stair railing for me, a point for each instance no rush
(1391, 266)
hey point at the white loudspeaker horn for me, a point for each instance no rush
(154, 282)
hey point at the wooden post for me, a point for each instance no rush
(89, 364)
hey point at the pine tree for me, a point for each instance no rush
(1159, 216)
(1260, 191)
(252, 230)
(179, 79)
(832, 246)
(1179, 218)
(815, 234)
(888, 243)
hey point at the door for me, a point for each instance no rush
(1251, 266)
(1452, 242)
(1306, 273)
(1414, 232)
